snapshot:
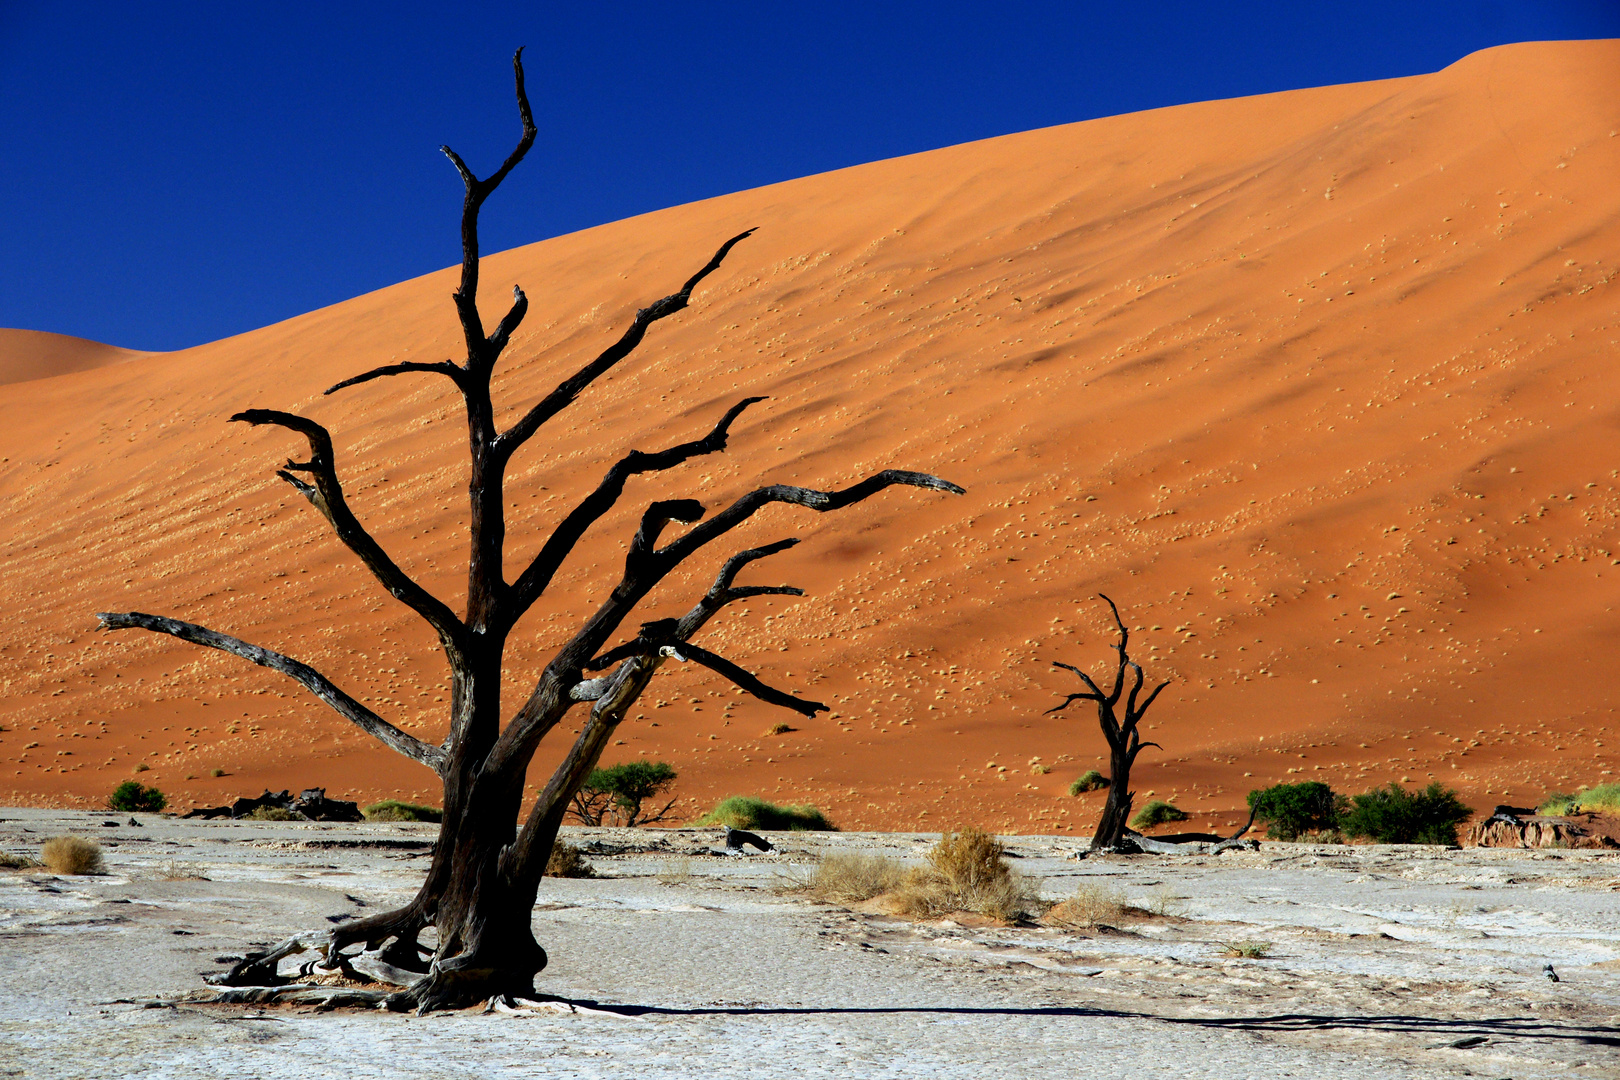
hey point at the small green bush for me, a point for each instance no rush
(1090, 780)
(1602, 799)
(1556, 804)
(1156, 812)
(748, 812)
(1291, 811)
(394, 810)
(132, 796)
(1392, 815)
(622, 788)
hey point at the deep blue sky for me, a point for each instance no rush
(176, 173)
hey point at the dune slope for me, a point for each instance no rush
(1319, 386)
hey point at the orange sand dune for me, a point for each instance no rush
(1320, 386)
(34, 354)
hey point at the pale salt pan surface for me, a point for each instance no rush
(1380, 957)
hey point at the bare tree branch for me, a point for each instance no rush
(503, 332)
(443, 367)
(479, 352)
(560, 398)
(820, 501)
(532, 583)
(318, 684)
(743, 679)
(326, 495)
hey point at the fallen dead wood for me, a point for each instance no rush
(1132, 842)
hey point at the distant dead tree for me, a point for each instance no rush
(1124, 741)
(481, 886)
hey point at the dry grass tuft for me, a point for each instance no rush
(966, 871)
(850, 878)
(1246, 950)
(566, 861)
(17, 862)
(274, 813)
(174, 870)
(675, 871)
(1091, 905)
(71, 855)
(780, 729)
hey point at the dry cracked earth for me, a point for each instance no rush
(1381, 962)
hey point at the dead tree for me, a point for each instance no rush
(1124, 740)
(480, 888)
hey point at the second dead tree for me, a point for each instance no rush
(1120, 731)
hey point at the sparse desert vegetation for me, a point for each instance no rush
(749, 812)
(1246, 950)
(1393, 815)
(395, 810)
(623, 790)
(1599, 799)
(133, 797)
(966, 871)
(567, 862)
(1157, 812)
(1091, 904)
(1303, 811)
(71, 855)
(852, 877)
(1090, 780)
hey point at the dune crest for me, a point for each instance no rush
(36, 354)
(1319, 386)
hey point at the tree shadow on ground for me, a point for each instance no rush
(1507, 1027)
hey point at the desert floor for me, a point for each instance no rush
(1381, 958)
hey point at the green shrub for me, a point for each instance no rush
(1392, 815)
(131, 796)
(1290, 811)
(1090, 780)
(1556, 804)
(622, 789)
(1156, 812)
(748, 812)
(394, 810)
(1602, 799)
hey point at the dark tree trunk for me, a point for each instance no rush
(479, 893)
(1120, 732)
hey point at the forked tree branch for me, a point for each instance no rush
(532, 583)
(644, 567)
(613, 694)
(560, 398)
(466, 297)
(326, 495)
(318, 684)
